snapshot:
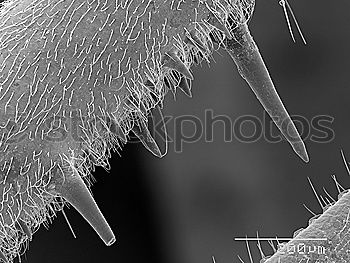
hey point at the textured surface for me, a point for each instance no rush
(333, 226)
(76, 76)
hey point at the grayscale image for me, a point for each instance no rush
(192, 131)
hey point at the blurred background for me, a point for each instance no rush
(190, 205)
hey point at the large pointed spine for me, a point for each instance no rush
(251, 66)
(74, 190)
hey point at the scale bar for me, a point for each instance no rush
(278, 239)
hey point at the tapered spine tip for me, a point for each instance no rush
(184, 85)
(78, 195)
(252, 68)
(300, 149)
(112, 241)
(141, 131)
(172, 61)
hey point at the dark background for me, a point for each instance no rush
(189, 206)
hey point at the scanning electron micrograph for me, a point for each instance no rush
(158, 131)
